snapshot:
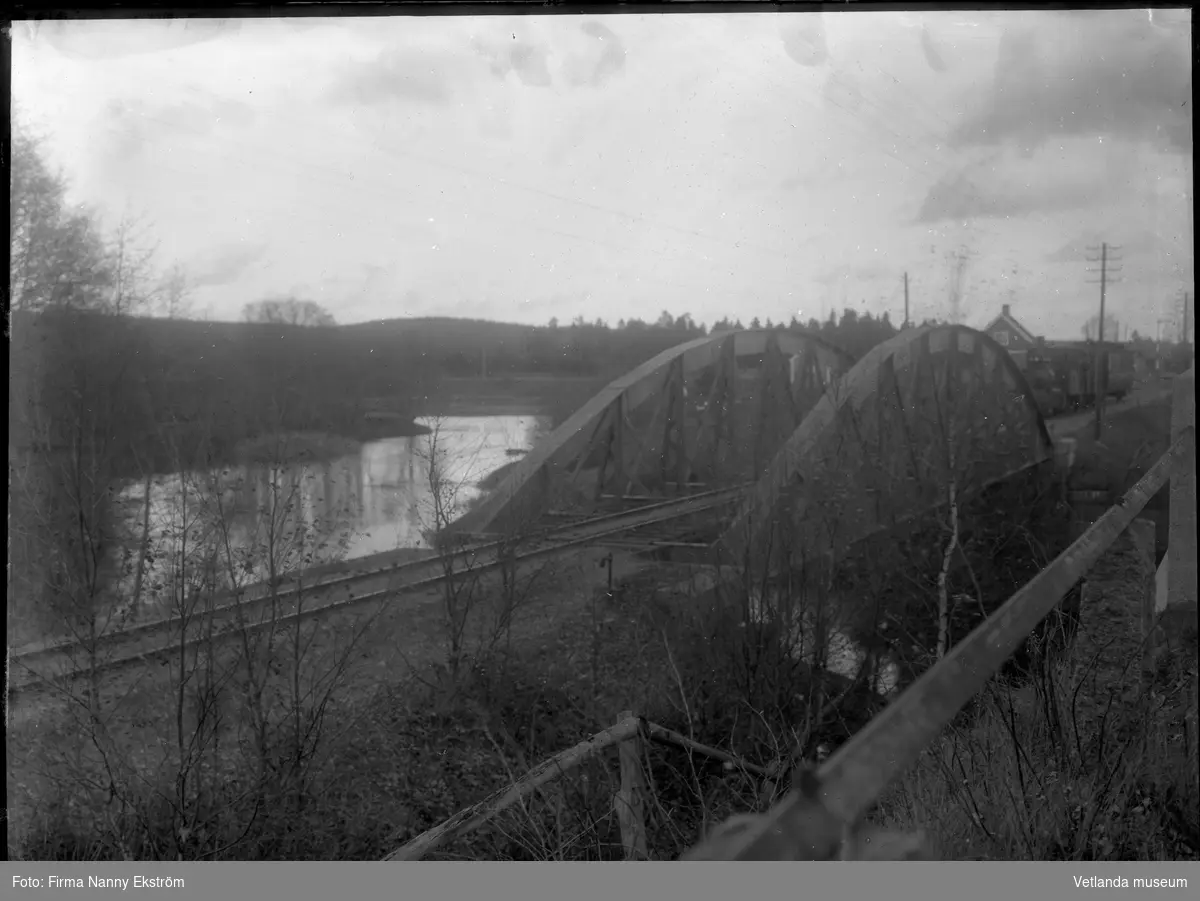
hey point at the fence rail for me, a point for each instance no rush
(627, 733)
(814, 821)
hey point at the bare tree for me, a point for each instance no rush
(175, 294)
(459, 584)
(244, 712)
(464, 595)
(286, 679)
(75, 428)
(288, 311)
(57, 257)
(131, 255)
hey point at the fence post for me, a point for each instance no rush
(1179, 616)
(1064, 458)
(1191, 716)
(631, 800)
(1141, 532)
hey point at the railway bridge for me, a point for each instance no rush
(783, 441)
(743, 448)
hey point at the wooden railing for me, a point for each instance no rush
(629, 735)
(818, 819)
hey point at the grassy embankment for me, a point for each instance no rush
(407, 747)
(1063, 768)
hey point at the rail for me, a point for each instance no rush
(816, 820)
(141, 643)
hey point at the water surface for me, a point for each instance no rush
(386, 496)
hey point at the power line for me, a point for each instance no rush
(344, 183)
(688, 256)
(620, 276)
(390, 150)
(936, 178)
(387, 150)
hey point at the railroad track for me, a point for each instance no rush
(259, 606)
(294, 601)
(1069, 421)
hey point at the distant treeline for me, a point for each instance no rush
(158, 393)
(465, 347)
(160, 390)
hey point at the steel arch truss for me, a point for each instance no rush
(711, 412)
(930, 408)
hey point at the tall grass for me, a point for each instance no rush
(1042, 765)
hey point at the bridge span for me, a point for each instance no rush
(826, 451)
(706, 414)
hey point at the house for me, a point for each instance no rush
(1011, 335)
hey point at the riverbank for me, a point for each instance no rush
(298, 447)
(516, 395)
(377, 426)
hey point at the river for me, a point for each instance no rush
(377, 499)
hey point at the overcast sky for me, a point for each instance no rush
(616, 165)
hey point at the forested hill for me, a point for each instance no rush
(147, 384)
(474, 346)
(449, 346)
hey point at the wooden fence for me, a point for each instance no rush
(629, 735)
(816, 819)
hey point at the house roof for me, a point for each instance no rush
(1006, 318)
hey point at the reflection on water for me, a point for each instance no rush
(378, 499)
(397, 487)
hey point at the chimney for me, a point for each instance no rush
(1004, 309)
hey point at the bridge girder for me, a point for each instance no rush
(931, 406)
(694, 414)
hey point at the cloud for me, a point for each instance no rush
(1009, 183)
(603, 59)
(959, 197)
(1086, 244)
(804, 38)
(796, 182)
(134, 125)
(198, 117)
(932, 56)
(861, 272)
(1074, 251)
(226, 264)
(521, 56)
(115, 39)
(1115, 74)
(588, 57)
(399, 73)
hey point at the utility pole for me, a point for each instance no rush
(959, 260)
(1158, 343)
(1183, 322)
(905, 301)
(1100, 367)
(1186, 338)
